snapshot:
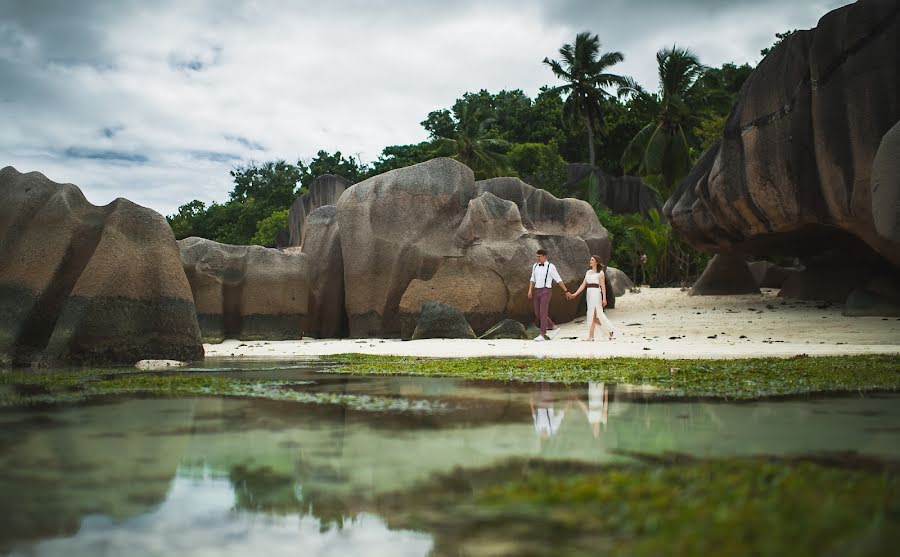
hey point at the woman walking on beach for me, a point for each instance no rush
(595, 284)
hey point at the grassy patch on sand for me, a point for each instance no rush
(747, 378)
(742, 506)
(22, 388)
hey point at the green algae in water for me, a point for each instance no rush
(754, 506)
(67, 387)
(748, 378)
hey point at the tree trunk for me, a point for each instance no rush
(591, 157)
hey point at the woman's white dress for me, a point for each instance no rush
(595, 302)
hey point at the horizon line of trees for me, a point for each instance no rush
(594, 115)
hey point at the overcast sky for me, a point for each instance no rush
(157, 100)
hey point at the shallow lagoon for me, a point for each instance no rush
(332, 474)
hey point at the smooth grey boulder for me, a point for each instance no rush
(82, 284)
(807, 162)
(886, 185)
(861, 302)
(324, 190)
(825, 282)
(322, 246)
(430, 232)
(439, 320)
(508, 328)
(246, 292)
(618, 282)
(725, 274)
(770, 275)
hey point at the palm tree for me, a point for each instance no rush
(473, 145)
(584, 70)
(661, 148)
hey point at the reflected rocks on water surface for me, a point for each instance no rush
(339, 473)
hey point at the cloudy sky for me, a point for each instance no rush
(156, 100)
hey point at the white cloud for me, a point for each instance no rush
(157, 101)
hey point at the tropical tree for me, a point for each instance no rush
(326, 163)
(661, 151)
(584, 70)
(472, 144)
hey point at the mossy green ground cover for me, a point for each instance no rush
(748, 378)
(739, 379)
(745, 506)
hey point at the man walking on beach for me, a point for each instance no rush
(540, 289)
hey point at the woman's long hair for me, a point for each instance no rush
(600, 266)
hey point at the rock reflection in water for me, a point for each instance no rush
(253, 471)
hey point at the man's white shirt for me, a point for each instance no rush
(542, 276)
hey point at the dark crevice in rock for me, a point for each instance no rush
(807, 83)
(232, 320)
(39, 325)
(874, 33)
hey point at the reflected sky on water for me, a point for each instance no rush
(223, 476)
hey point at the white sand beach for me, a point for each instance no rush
(655, 322)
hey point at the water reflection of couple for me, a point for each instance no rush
(548, 413)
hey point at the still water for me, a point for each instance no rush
(230, 476)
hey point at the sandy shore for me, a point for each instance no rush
(659, 322)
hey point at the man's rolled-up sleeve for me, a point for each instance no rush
(554, 274)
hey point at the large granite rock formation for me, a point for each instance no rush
(322, 246)
(886, 185)
(440, 320)
(770, 275)
(725, 274)
(807, 164)
(429, 232)
(622, 194)
(81, 284)
(246, 292)
(508, 328)
(324, 190)
(618, 282)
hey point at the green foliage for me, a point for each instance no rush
(184, 222)
(746, 379)
(326, 163)
(779, 37)
(473, 144)
(709, 131)
(666, 258)
(259, 190)
(440, 123)
(658, 135)
(268, 228)
(743, 379)
(399, 156)
(540, 165)
(583, 69)
(662, 147)
(271, 184)
(623, 254)
(675, 505)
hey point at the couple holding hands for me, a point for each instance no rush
(540, 290)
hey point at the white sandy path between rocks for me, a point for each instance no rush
(657, 322)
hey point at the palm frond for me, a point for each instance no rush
(633, 156)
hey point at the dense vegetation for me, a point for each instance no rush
(591, 114)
